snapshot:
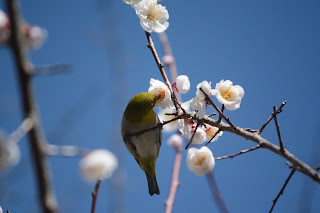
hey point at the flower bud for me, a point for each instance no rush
(98, 164)
(200, 161)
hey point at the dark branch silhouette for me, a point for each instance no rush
(36, 137)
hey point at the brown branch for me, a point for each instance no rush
(174, 180)
(282, 189)
(215, 134)
(220, 116)
(277, 126)
(95, 196)
(172, 64)
(216, 193)
(239, 153)
(37, 140)
(176, 167)
(303, 167)
(160, 125)
(161, 69)
(271, 117)
(219, 111)
(212, 114)
(195, 130)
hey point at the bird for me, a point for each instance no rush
(139, 116)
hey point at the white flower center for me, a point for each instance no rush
(228, 93)
(199, 159)
(153, 14)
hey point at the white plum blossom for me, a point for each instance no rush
(199, 136)
(206, 87)
(175, 141)
(182, 84)
(211, 131)
(98, 164)
(187, 130)
(229, 95)
(35, 36)
(159, 88)
(133, 3)
(166, 114)
(172, 126)
(153, 16)
(199, 102)
(200, 161)
(9, 153)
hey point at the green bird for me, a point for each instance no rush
(138, 116)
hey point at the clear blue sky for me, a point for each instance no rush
(270, 48)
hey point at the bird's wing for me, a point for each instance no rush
(159, 134)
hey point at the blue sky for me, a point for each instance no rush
(270, 48)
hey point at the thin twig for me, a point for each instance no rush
(303, 167)
(251, 130)
(95, 196)
(239, 153)
(21, 131)
(220, 116)
(37, 140)
(216, 193)
(174, 180)
(52, 69)
(65, 151)
(271, 117)
(282, 189)
(215, 134)
(160, 125)
(278, 129)
(212, 114)
(172, 64)
(161, 69)
(194, 132)
(176, 167)
(219, 111)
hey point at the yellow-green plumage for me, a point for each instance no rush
(139, 115)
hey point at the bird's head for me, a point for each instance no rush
(141, 105)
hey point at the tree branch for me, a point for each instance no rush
(277, 126)
(303, 167)
(219, 111)
(271, 117)
(239, 153)
(174, 180)
(38, 143)
(282, 189)
(95, 196)
(216, 193)
(161, 69)
(21, 131)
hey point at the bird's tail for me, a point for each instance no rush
(153, 185)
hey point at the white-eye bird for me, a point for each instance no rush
(138, 116)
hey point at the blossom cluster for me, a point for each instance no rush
(33, 36)
(153, 16)
(199, 161)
